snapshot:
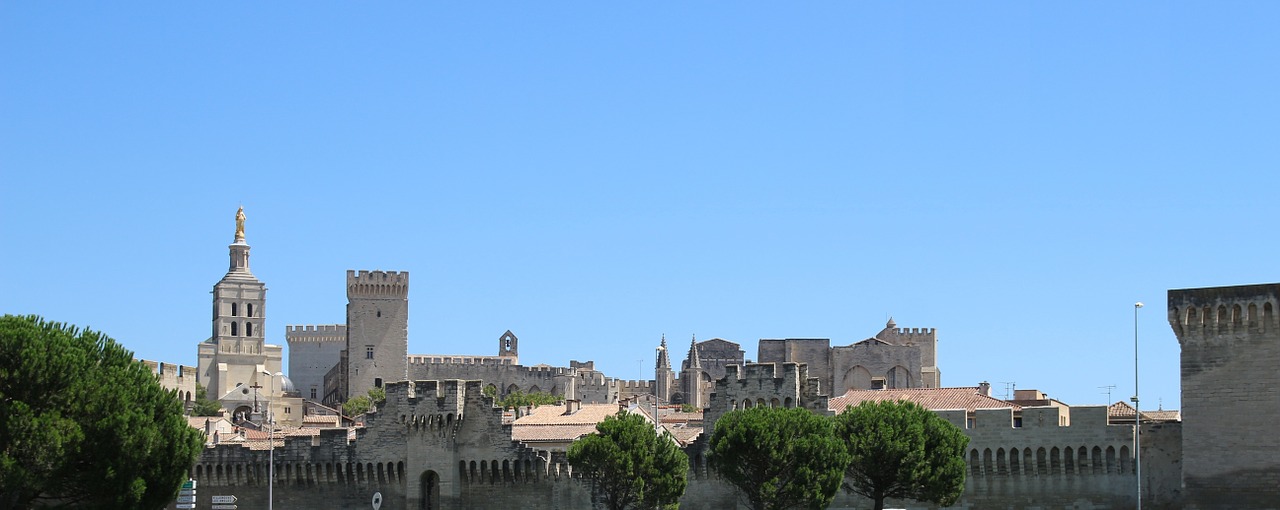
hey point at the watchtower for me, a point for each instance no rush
(377, 329)
(1230, 342)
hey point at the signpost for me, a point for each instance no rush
(187, 495)
(224, 507)
(224, 500)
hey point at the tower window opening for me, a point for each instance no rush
(248, 329)
(234, 312)
(368, 352)
(248, 309)
(235, 329)
(377, 382)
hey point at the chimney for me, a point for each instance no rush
(572, 406)
(984, 388)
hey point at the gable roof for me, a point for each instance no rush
(551, 423)
(933, 399)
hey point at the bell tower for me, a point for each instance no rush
(236, 350)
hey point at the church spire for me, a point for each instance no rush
(663, 362)
(694, 360)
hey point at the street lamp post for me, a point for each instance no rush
(271, 442)
(1137, 408)
(657, 360)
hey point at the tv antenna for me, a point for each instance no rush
(1108, 389)
(1009, 387)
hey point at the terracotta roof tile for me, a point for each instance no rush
(555, 415)
(934, 399)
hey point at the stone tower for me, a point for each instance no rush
(509, 347)
(377, 329)
(691, 377)
(663, 375)
(236, 353)
(1230, 340)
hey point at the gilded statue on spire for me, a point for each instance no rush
(240, 223)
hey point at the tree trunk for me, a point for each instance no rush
(879, 503)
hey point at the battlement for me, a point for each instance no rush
(632, 384)
(166, 370)
(377, 284)
(915, 331)
(316, 333)
(1198, 314)
(763, 371)
(444, 359)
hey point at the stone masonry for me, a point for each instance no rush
(1230, 341)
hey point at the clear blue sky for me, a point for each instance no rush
(592, 176)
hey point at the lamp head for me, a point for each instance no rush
(1138, 304)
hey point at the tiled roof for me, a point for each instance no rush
(1121, 410)
(550, 423)
(551, 432)
(935, 399)
(555, 415)
(684, 435)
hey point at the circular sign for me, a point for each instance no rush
(377, 500)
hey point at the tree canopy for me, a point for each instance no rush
(203, 406)
(84, 424)
(629, 465)
(518, 399)
(779, 458)
(902, 451)
(361, 404)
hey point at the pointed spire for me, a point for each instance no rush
(694, 360)
(663, 361)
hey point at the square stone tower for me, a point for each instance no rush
(1230, 342)
(377, 329)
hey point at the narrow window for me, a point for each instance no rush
(248, 309)
(235, 329)
(368, 351)
(377, 382)
(233, 310)
(313, 393)
(248, 329)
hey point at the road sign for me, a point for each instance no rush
(224, 500)
(377, 500)
(224, 507)
(189, 484)
(187, 492)
(187, 499)
(185, 505)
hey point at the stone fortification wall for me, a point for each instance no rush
(175, 377)
(813, 352)
(859, 363)
(765, 384)
(1230, 338)
(313, 351)
(579, 381)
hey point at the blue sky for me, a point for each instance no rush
(593, 176)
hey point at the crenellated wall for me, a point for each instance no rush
(181, 378)
(313, 351)
(1230, 338)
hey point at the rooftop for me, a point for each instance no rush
(934, 399)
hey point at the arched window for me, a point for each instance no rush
(235, 329)
(248, 309)
(234, 311)
(248, 329)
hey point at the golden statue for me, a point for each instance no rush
(240, 223)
